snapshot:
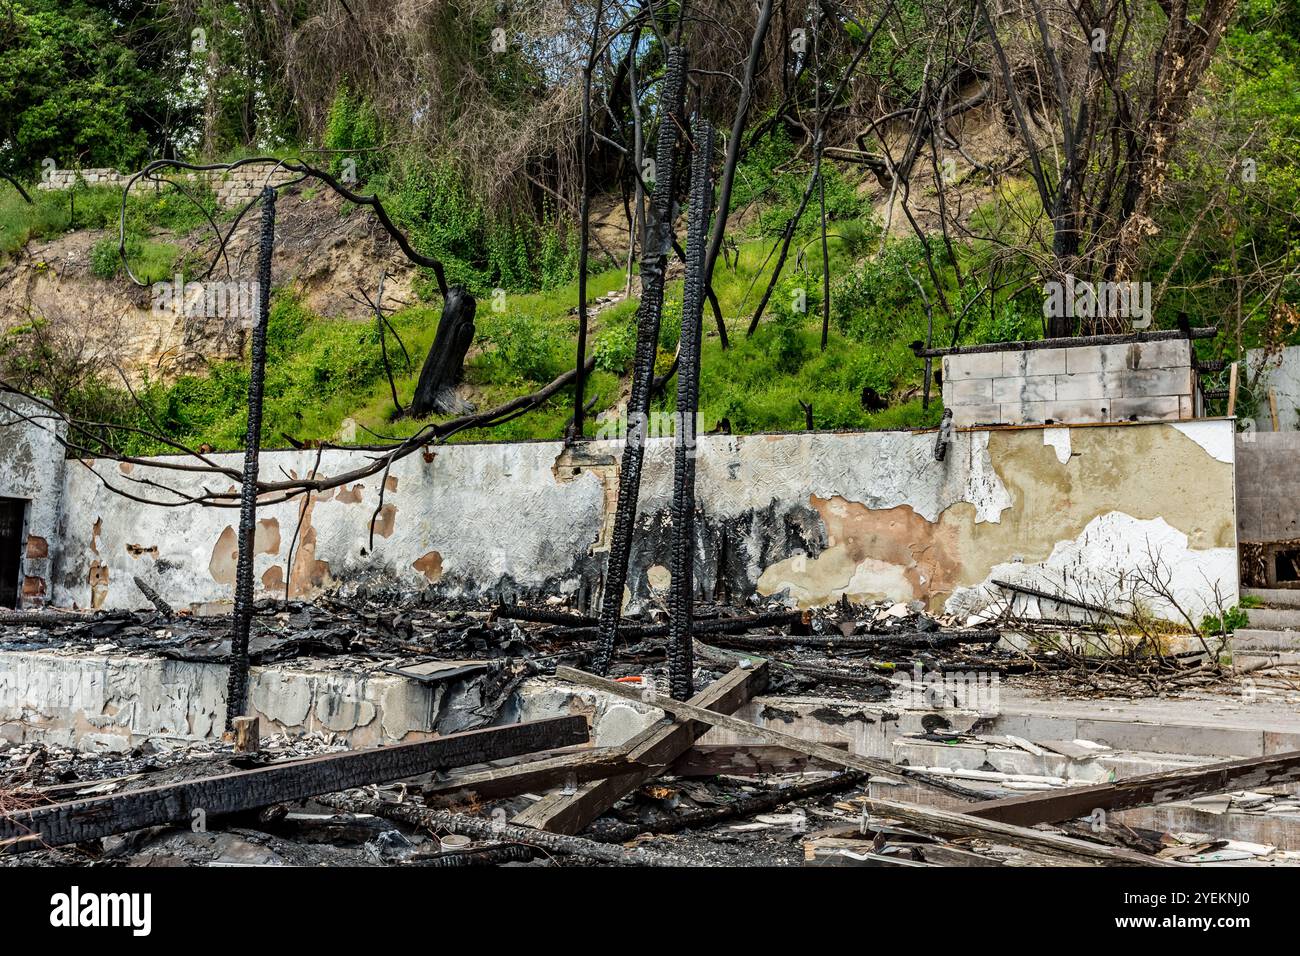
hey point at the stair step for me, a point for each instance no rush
(1274, 597)
(1252, 660)
(1258, 639)
(998, 755)
(1274, 619)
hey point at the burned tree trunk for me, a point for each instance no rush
(681, 600)
(654, 254)
(435, 391)
(237, 683)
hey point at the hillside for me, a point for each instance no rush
(930, 197)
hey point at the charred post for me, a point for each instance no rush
(237, 684)
(659, 234)
(435, 391)
(680, 663)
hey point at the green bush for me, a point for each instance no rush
(523, 347)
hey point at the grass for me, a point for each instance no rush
(52, 213)
(325, 371)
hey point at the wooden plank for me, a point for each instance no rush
(822, 751)
(492, 783)
(655, 748)
(1070, 803)
(1232, 389)
(929, 819)
(935, 820)
(1272, 409)
(710, 760)
(89, 819)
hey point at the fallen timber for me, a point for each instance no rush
(1061, 599)
(1055, 806)
(580, 766)
(907, 639)
(479, 829)
(742, 807)
(923, 817)
(655, 747)
(76, 821)
(812, 748)
(713, 625)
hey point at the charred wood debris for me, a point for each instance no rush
(659, 800)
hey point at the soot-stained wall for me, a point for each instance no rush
(810, 516)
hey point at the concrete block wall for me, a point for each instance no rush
(1279, 372)
(1138, 381)
(1268, 486)
(241, 186)
(66, 178)
(235, 188)
(32, 463)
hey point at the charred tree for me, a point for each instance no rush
(237, 682)
(654, 255)
(681, 599)
(435, 391)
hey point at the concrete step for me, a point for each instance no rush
(997, 754)
(1246, 661)
(1258, 639)
(1274, 597)
(1274, 619)
(1279, 828)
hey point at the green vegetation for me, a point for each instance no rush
(1229, 621)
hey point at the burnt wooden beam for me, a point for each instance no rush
(1060, 599)
(579, 766)
(655, 747)
(1055, 806)
(813, 748)
(76, 821)
(710, 760)
(929, 819)
(956, 824)
(1069, 342)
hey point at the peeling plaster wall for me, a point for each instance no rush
(813, 516)
(32, 468)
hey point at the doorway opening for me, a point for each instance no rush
(13, 511)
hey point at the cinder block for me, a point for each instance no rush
(1083, 410)
(1033, 362)
(972, 391)
(1012, 413)
(1144, 383)
(1171, 353)
(1084, 359)
(1150, 408)
(1031, 388)
(968, 416)
(1083, 386)
(973, 365)
(1185, 407)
